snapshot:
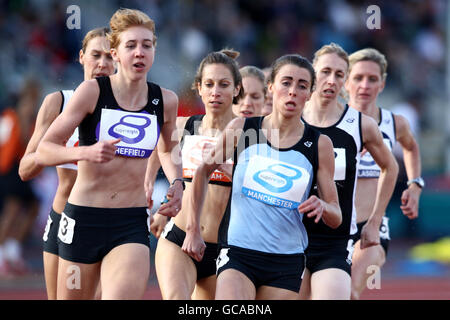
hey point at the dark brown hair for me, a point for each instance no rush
(294, 59)
(227, 58)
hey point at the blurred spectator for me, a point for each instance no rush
(19, 203)
(411, 31)
(411, 110)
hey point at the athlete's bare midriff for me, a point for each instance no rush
(216, 201)
(115, 184)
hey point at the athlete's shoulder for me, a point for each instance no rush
(53, 100)
(181, 122)
(324, 142)
(51, 105)
(367, 122)
(236, 123)
(88, 87)
(399, 119)
(170, 97)
(369, 129)
(168, 94)
(402, 126)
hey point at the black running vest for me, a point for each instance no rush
(89, 127)
(347, 144)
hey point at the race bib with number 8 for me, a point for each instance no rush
(138, 132)
(274, 182)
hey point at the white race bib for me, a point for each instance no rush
(195, 148)
(384, 229)
(340, 164)
(138, 132)
(66, 229)
(275, 182)
(367, 167)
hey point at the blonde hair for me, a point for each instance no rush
(341, 53)
(123, 19)
(331, 48)
(254, 72)
(98, 32)
(369, 54)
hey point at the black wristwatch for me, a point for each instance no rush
(182, 182)
(419, 181)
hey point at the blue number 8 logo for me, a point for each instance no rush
(140, 129)
(286, 180)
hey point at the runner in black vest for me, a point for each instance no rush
(103, 233)
(329, 254)
(219, 84)
(96, 61)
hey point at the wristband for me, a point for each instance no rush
(418, 181)
(182, 182)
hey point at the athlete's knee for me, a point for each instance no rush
(358, 283)
(382, 258)
(381, 262)
(379, 256)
